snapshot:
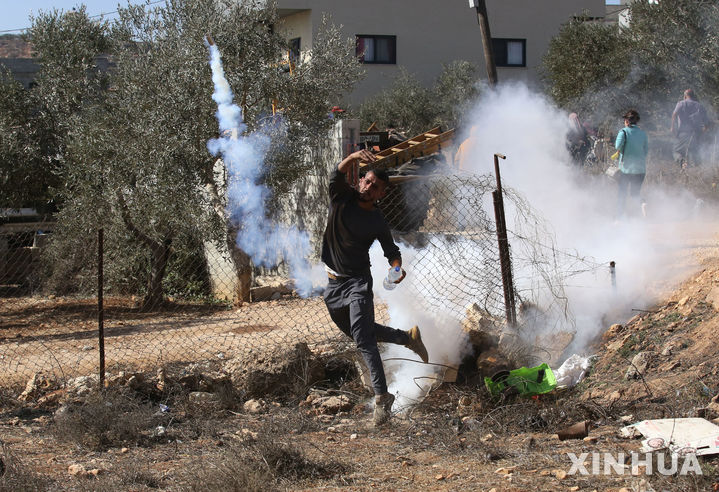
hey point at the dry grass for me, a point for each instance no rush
(16, 476)
(107, 419)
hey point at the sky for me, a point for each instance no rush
(15, 14)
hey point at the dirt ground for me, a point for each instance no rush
(457, 439)
(182, 429)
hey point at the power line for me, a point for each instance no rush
(101, 14)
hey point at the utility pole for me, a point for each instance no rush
(483, 22)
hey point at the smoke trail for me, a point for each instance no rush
(266, 243)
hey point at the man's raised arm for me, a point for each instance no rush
(361, 155)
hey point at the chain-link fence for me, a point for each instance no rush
(444, 225)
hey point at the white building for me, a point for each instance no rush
(421, 35)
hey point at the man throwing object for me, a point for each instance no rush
(353, 224)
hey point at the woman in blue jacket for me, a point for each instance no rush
(633, 145)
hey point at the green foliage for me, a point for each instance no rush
(677, 47)
(35, 124)
(23, 180)
(413, 108)
(128, 145)
(584, 57)
(602, 70)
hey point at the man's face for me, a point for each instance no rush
(370, 188)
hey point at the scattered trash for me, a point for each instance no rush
(527, 381)
(164, 408)
(681, 436)
(576, 431)
(572, 371)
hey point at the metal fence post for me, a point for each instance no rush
(504, 259)
(100, 308)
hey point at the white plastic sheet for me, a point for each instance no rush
(572, 371)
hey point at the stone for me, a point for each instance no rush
(639, 365)
(255, 406)
(32, 389)
(77, 470)
(161, 380)
(612, 331)
(51, 398)
(83, 385)
(713, 297)
(332, 404)
(247, 434)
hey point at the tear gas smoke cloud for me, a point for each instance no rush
(441, 332)
(266, 243)
(530, 131)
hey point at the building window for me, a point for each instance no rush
(510, 52)
(377, 49)
(294, 50)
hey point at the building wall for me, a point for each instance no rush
(432, 32)
(298, 25)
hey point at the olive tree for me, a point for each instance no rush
(139, 160)
(585, 57)
(414, 108)
(35, 123)
(23, 179)
(667, 47)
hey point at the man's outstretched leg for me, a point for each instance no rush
(412, 339)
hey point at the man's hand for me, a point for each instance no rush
(398, 263)
(363, 155)
(360, 155)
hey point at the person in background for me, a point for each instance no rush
(353, 224)
(690, 120)
(577, 140)
(633, 146)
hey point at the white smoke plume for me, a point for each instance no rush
(581, 214)
(243, 155)
(530, 131)
(410, 380)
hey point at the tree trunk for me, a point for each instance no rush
(244, 269)
(159, 256)
(216, 187)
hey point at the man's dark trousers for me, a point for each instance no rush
(350, 302)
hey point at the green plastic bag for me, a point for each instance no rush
(529, 381)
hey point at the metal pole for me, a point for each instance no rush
(100, 309)
(483, 22)
(505, 260)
